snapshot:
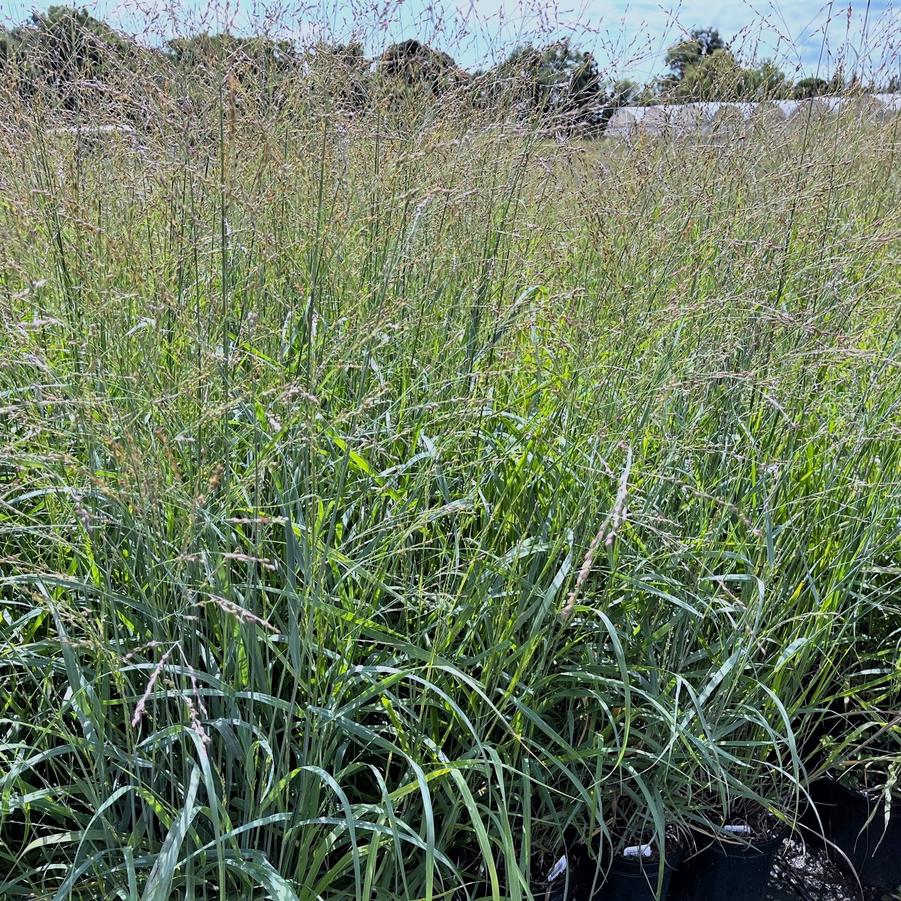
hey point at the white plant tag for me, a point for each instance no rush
(558, 869)
(637, 851)
(737, 830)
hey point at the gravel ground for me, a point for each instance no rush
(806, 873)
(801, 873)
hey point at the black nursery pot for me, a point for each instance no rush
(634, 879)
(873, 848)
(737, 872)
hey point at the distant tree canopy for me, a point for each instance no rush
(341, 72)
(256, 53)
(683, 55)
(419, 65)
(557, 81)
(703, 67)
(6, 47)
(257, 64)
(719, 76)
(627, 92)
(69, 51)
(69, 55)
(807, 88)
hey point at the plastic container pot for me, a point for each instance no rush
(563, 878)
(855, 824)
(636, 880)
(561, 884)
(730, 871)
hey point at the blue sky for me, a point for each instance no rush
(804, 36)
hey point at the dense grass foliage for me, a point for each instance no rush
(388, 505)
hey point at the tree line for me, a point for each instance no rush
(69, 56)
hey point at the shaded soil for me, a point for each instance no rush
(801, 873)
(805, 873)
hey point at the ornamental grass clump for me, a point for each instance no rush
(399, 496)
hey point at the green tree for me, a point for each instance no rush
(68, 51)
(713, 77)
(703, 67)
(557, 81)
(7, 47)
(417, 65)
(626, 92)
(342, 72)
(700, 43)
(810, 87)
(258, 70)
(721, 77)
(766, 82)
(251, 55)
